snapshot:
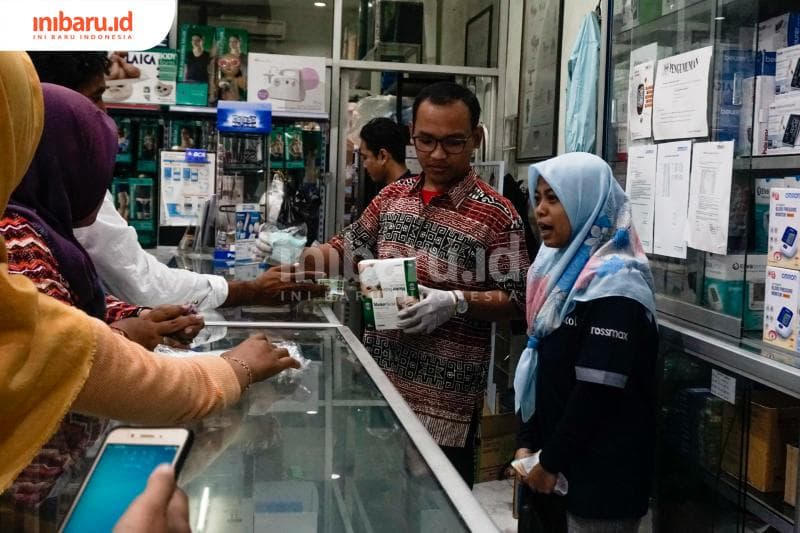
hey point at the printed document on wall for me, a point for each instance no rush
(671, 198)
(710, 196)
(640, 100)
(680, 100)
(641, 188)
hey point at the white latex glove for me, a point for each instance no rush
(262, 249)
(435, 308)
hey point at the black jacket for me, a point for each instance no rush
(595, 407)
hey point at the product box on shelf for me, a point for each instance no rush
(758, 93)
(783, 125)
(787, 71)
(230, 64)
(723, 283)
(774, 422)
(277, 152)
(754, 288)
(781, 296)
(387, 287)
(190, 134)
(124, 136)
(195, 66)
(736, 65)
(147, 152)
(142, 77)
(248, 221)
(779, 32)
(784, 225)
(293, 149)
(763, 186)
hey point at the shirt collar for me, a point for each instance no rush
(458, 192)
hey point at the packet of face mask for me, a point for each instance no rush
(525, 465)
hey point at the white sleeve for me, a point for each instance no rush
(134, 275)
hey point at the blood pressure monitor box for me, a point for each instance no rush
(781, 307)
(723, 283)
(784, 226)
(387, 287)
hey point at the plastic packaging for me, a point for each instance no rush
(525, 465)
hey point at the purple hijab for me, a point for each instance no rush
(66, 183)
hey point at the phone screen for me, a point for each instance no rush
(119, 477)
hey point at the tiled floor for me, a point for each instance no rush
(495, 497)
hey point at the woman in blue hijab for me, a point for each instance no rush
(585, 385)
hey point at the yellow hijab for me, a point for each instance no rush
(46, 348)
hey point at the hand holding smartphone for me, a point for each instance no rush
(120, 473)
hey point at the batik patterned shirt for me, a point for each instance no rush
(470, 239)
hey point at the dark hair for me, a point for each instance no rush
(447, 92)
(70, 69)
(385, 133)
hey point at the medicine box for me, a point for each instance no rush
(780, 307)
(763, 186)
(387, 287)
(783, 125)
(779, 32)
(758, 93)
(787, 71)
(784, 226)
(248, 222)
(723, 283)
(754, 287)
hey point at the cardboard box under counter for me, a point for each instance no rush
(790, 487)
(774, 422)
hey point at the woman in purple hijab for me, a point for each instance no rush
(63, 189)
(65, 185)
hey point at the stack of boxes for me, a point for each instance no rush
(776, 84)
(782, 284)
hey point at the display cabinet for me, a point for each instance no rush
(722, 290)
(331, 448)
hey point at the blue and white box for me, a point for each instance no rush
(755, 271)
(248, 222)
(723, 283)
(784, 228)
(787, 71)
(782, 288)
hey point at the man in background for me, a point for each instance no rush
(383, 150)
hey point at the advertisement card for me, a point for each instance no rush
(142, 77)
(293, 84)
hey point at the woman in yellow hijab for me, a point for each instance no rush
(54, 358)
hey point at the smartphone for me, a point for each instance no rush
(120, 472)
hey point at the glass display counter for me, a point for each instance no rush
(331, 448)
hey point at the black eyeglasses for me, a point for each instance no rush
(451, 145)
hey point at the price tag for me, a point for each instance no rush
(194, 155)
(723, 386)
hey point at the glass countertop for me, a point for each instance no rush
(324, 451)
(331, 448)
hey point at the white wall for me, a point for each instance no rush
(574, 11)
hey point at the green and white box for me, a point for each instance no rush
(387, 287)
(723, 283)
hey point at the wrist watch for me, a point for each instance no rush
(462, 305)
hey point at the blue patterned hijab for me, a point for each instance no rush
(603, 258)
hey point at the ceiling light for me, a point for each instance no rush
(719, 18)
(320, 4)
(311, 412)
(335, 476)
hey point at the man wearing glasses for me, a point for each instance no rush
(471, 264)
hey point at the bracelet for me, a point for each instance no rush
(119, 332)
(243, 365)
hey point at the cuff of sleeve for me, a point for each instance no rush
(223, 376)
(553, 460)
(218, 293)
